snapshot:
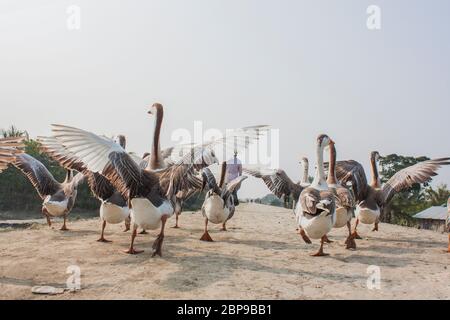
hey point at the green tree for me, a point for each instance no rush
(13, 132)
(438, 196)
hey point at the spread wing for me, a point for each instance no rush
(99, 185)
(232, 186)
(278, 182)
(55, 150)
(352, 171)
(223, 146)
(101, 154)
(91, 149)
(9, 148)
(404, 179)
(41, 179)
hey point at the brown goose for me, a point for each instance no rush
(372, 198)
(280, 184)
(58, 198)
(345, 202)
(218, 206)
(316, 212)
(114, 207)
(151, 194)
(159, 159)
(9, 149)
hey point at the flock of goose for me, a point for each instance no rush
(143, 192)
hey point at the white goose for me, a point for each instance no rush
(151, 194)
(315, 211)
(218, 206)
(371, 199)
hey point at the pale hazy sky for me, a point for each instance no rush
(305, 67)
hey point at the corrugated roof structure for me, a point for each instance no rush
(435, 213)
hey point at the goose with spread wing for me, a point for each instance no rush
(114, 207)
(58, 198)
(9, 149)
(218, 206)
(151, 193)
(279, 182)
(372, 198)
(315, 211)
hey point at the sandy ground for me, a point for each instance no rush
(260, 257)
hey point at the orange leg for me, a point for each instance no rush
(320, 253)
(304, 236)
(448, 250)
(350, 241)
(157, 245)
(375, 226)
(102, 237)
(64, 227)
(327, 240)
(224, 226)
(45, 213)
(355, 233)
(127, 224)
(131, 250)
(206, 236)
(176, 226)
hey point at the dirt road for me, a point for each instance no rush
(260, 257)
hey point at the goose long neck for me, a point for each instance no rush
(319, 178)
(69, 176)
(155, 156)
(375, 182)
(305, 171)
(331, 179)
(222, 174)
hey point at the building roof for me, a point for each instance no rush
(436, 213)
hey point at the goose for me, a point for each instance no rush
(9, 149)
(315, 210)
(372, 198)
(159, 159)
(151, 194)
(58, 198)
(344, 200)
(114, 207)
(279, 182)
(218, 206)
